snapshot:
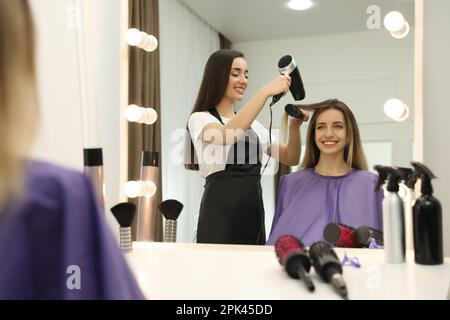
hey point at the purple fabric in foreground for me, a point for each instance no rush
(56, 225)
(308, 201)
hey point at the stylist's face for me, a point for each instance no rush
(331, 132)
(238, 80)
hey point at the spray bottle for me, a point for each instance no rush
(409, 179)
(427, 221)
(393, 215)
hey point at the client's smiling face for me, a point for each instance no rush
(331, 132)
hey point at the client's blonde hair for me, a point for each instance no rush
(353, 153)
(18, 98)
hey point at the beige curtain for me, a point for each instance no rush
(225, 43)
(144, 90)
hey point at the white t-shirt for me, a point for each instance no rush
(213, 157)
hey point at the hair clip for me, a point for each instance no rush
(373, 244)
(351, 261)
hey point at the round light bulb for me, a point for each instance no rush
(134, 37)
(150, 43)
(300, 4)
(396, 109)
(149, 189)
(394, 21)
(403, 32)
(133, 113)
(132, 189)
(150, 116)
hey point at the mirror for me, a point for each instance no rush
(341, 47)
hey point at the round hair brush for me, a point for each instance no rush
(365, 235)
(328, 267)
(341, 235)
(291, 255)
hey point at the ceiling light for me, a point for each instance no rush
(300, 4)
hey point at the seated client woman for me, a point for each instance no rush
(333, 184)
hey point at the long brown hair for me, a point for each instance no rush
(18, 102)
(212, 90)
(353, 152)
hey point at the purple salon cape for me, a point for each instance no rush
(55, 229)
(308, 201)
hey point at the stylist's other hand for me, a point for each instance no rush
(299, 121)
(278, 85)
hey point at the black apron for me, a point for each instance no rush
(232, 210)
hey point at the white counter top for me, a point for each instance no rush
(170, 271)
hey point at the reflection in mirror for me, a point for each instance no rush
(144, 125)
(341, 47)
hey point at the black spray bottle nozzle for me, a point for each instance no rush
(408, 176)
(392, 175)
(425, 175)
(382, 176)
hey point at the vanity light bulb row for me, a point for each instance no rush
(396, 24)
(135, 189)
(134, 113)
(142, 40)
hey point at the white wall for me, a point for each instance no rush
(60, 137)
(183, 59)
(436, 103)
(363, 69)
